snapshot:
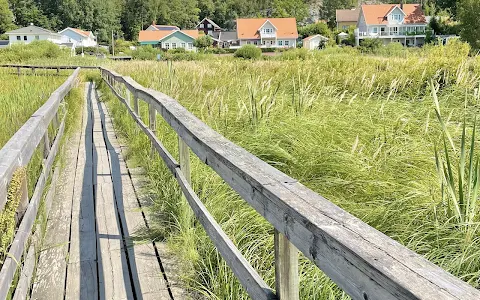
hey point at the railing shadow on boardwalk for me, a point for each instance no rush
(116, 176)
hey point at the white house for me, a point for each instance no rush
(32, 33)
(267, 32)
(313, 42)
(403, 23)
(79, 37)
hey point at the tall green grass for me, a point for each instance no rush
(358, 129)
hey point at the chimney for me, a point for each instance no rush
(154, 22)
(401, 4)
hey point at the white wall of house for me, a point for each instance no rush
(72, 36)
(27, 38)
(268, 30)
(396, 16)
(271, 43)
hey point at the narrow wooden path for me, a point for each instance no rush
(88, 251)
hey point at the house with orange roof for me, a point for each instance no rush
(267, 32)
(169, 39)
(79, 37)
(402, 23)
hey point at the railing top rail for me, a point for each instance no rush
(19, 149)
(364, 262)
(64, 67)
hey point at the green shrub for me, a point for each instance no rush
(370, 45)
(34, 50)
(145, 53)
(177, 50)
(248, 52)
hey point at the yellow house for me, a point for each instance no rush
(346, 18)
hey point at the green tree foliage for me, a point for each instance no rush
(290, 8)
(6, 17)
(203, 42)
(248, 52)
(468, 15)
(328, 8)
(312, 29)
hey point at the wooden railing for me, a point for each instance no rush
(15, 156)
(362, 261)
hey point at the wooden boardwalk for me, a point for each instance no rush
(88, 251)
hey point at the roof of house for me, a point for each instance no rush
(315, 36)
(249, 28)
(32, 29)
(347, 15)
(376, 14)
(209, 21)
(227, 36)
(79, 31)
(165, 27)
(158, 35)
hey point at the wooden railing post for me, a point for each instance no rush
(184, 159)
(46, 144)
(286, 268)
(18, 71)
(152, 122)
(135, 104)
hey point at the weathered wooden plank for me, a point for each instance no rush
(52, 263)
(286, 268)
(82, 262)
(21, 237)
(19, 149)
(361, 260)
(114, 278)
(146, 272)
(47, 67)
(23, 285)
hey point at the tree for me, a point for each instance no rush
(203, 42)
(329, 7)
(312, 29)
(290, 8)
(468, 15)
(6, 17)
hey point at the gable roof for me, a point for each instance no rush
(165, 27)
(158, 35)
(248, 28)
(347, 15)
(376, 14)
(32, 29)
(209, 21)
(315, 36)
(79, 31)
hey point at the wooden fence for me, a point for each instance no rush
(362, 261)
(16, 155)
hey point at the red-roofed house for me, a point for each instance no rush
(79, 37)
(403, 23)
(267, 32)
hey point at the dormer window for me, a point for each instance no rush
(267, 30)
(397, 17)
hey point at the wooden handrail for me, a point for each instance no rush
(362, 261)
(17, 153)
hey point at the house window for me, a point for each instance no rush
(255, 43)
(209, 25)
(167, 46)
(267, 30)
(280, 43)
(202, 26)
(344, 27)
(397, 17)
(37, 37)
(394, 30)
(19, 38)
(24, 37)
(190, 46)
(375, 29)
(174, 45)
(183, 45)
(287, 43)
(210, 32)
(248, 42)
(263, 42)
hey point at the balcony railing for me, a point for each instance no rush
(391, 33)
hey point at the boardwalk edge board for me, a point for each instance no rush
(364, 262)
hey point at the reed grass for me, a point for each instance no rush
(357, 129)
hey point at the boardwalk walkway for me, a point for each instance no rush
(88, 251)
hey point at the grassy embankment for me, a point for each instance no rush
(359, 130)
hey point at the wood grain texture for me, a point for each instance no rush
(364, 262)
(23, 285)
(146, 273)
(82, 262)
(286, 268)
